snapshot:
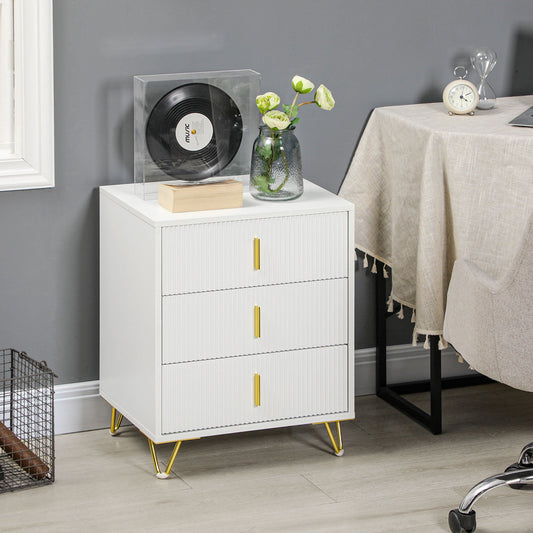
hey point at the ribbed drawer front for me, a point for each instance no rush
(222, 392)
(254, 320)
(221, 255)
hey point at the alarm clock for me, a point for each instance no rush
(460, 96)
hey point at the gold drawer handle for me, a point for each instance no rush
(257, 390)
(257, 321)
(257, 253)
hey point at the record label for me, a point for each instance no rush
(194, 132)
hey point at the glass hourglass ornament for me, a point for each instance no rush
(483, 60)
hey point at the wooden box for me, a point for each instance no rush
(200, 196)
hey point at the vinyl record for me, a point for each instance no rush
(194, 131)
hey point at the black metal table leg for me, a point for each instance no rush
(381, 333)
(392, 393)
(435, 417)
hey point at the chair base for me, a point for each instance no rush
(520, 470)
(517, 476)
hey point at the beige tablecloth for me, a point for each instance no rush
(429, 188)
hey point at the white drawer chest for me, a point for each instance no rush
(229, 320)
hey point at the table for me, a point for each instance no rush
(430, 188)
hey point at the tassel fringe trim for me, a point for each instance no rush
(442, 342)
(401, 314)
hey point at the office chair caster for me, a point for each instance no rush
(460, 522)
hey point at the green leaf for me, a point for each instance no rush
(265, 152)
(287, 109)
(295, 121)
(261, 183)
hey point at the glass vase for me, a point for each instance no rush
(276, 168)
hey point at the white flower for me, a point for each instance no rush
(276, 120)
(324, 98)
(302, 85)
(266, 102)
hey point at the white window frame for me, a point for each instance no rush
(6, 77)
(31, 165)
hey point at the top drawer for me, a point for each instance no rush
(246, 253)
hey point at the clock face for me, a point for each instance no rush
(460, 97)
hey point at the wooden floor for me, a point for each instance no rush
(394, 476)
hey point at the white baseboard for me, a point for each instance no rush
(79, 407)
(405, 363)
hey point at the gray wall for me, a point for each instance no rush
(369, 53)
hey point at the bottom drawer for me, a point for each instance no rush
(227, 392)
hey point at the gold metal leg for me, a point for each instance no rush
(166, 473)
(337, 446)
(115, 424)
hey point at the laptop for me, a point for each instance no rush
(525, 119)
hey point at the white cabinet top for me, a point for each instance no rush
(314, 199)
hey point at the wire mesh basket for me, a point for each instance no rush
(26, 422)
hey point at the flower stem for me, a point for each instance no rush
(305, 103)
(270, 161)
(286, 172)
(293, 104)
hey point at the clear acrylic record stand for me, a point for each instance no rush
(216, 110)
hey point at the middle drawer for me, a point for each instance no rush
(227, 323)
